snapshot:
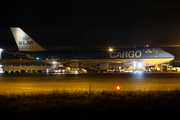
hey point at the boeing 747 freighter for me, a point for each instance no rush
(147, 56)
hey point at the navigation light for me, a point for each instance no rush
(37, 58)
(110, 49)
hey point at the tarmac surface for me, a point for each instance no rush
(105, 81)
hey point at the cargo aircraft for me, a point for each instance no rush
(104, 59)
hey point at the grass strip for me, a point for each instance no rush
(94, 104)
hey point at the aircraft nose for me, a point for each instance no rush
(165, 54)
(170, 55)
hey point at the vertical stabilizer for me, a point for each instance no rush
(24, 41)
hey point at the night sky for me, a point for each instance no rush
(93, 24)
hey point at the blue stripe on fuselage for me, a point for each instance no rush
(137, 53)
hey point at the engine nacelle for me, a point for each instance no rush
(104, 66)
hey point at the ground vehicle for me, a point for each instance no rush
(39, 71)
(169, 68)
(47, 71)
(74, 70)
(129, 69)
(11, 72)
(155, 69)
(56, 70)
(83, 71)
(114, 70)
(22, 71)
(28, 71)
(148, 69)
(16, 72)
(59, 70)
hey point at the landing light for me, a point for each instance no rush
(134, 64)
(139, 65)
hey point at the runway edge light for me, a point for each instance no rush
(118, 87)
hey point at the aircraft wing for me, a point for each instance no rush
(30, 56)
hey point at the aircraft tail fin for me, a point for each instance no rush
(25, 42)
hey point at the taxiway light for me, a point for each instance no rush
(37, 58)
